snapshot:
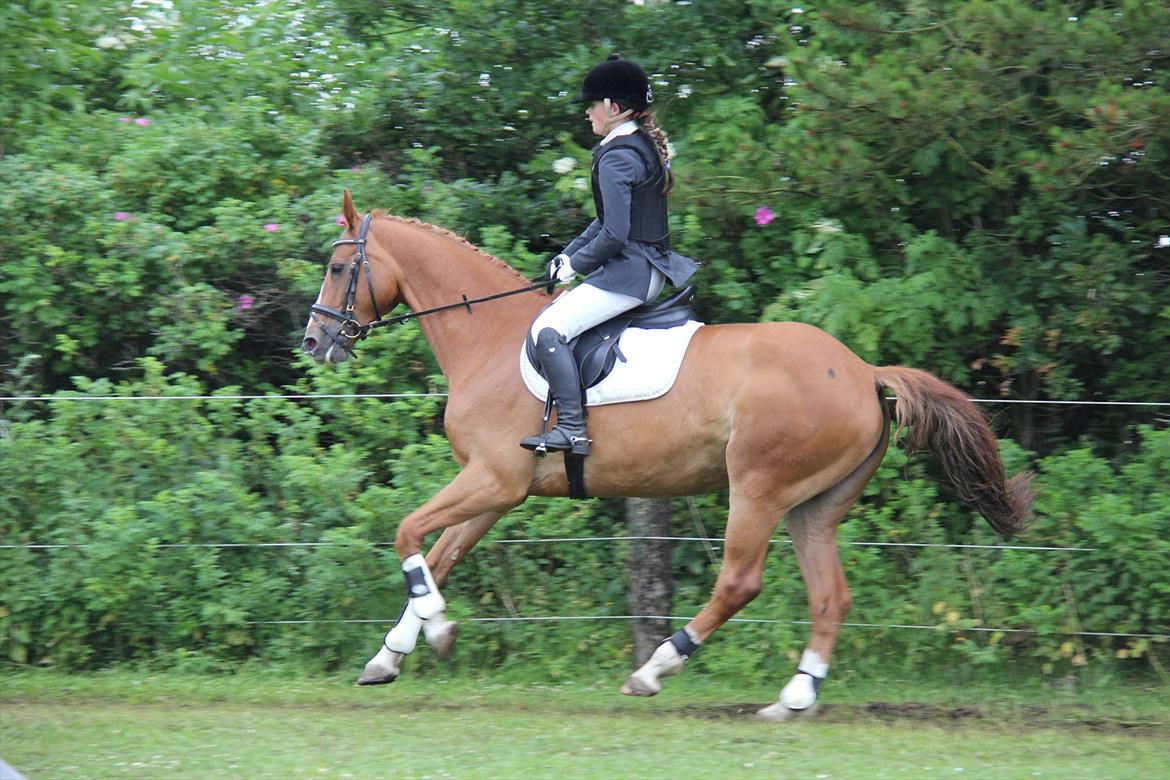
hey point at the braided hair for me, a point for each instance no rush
(648, 123)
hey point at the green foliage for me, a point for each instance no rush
(990, 154)
(974, 188)
(149, 488)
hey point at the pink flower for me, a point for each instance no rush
(142, 121)
(121, 216)
(245, 302)
(764, 215)
(272, 227)
(124, 120)
(340, 219)
(356, 168)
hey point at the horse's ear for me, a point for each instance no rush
(349, 212)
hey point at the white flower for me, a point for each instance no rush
(827, 226)
(563, 165)
(580, 184)
(1163, 242)
(110, 42)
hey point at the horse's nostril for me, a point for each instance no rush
(308, 345)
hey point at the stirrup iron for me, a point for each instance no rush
(577, 445)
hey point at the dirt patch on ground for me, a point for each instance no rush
(914, 710)
(839, 713)
(1027, 718)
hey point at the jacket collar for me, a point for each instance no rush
(625, 128)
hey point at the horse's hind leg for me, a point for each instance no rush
(812, 527)
(814, 535)
(451, 547)
(749, 527)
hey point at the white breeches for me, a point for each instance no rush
(584, 306)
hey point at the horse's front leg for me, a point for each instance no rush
(450, 548)
(459, 506)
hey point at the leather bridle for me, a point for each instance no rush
(349, 327)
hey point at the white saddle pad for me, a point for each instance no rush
(653, 358)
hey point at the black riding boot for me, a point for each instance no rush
(568, 435)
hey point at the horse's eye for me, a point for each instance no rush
(336, 268)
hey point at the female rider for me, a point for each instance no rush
(625, 252)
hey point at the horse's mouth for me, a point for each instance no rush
(334, 353)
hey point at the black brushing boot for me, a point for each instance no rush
(568, 435)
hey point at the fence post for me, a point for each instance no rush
(651, 580)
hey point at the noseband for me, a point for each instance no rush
(350, 328)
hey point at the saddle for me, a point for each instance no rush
(597, 351)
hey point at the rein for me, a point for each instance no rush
(364, 330)
(350, 328)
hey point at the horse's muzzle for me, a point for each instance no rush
(330, 352)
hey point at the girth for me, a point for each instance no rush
(597, 350)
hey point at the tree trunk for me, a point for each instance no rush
(651, 581)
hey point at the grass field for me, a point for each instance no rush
(263, 724)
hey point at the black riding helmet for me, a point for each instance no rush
(622, 81)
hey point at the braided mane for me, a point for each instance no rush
(453, 236)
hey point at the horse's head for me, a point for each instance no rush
(350, 294)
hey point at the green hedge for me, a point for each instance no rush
(981, 195)
(127, 478)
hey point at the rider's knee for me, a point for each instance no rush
(548, 338)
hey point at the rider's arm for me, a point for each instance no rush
(583, 239)
(617, 171)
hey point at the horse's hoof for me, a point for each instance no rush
(382, 669)
(637, 686)
(376, 677)
(441, 636)
(779, 713)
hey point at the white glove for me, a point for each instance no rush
(561, 269)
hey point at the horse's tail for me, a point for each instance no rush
(940, 418)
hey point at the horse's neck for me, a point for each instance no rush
(439, 269)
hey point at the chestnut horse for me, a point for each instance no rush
(782, 415)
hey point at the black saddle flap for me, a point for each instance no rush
(596, 350)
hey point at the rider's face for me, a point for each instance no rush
(599, 113)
